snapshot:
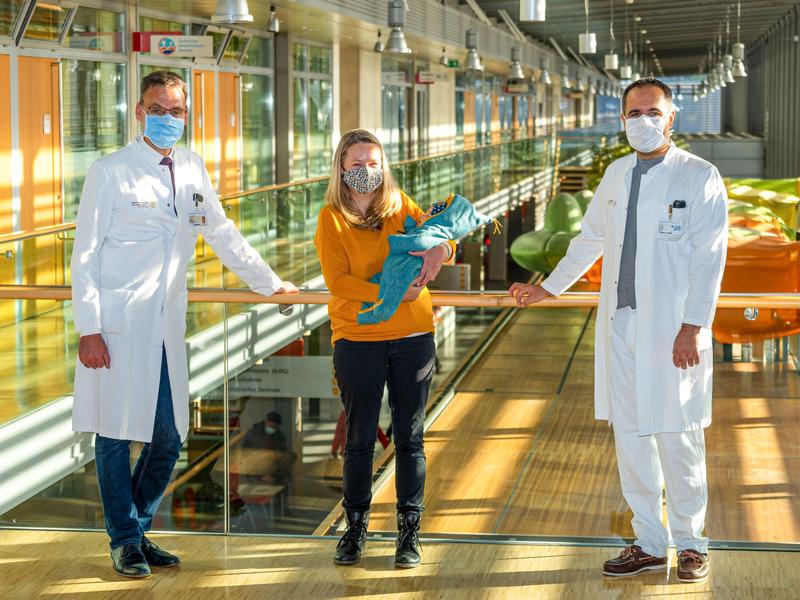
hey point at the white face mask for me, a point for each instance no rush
(646, 133)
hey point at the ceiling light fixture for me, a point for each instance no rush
(544, 77)
(532, 10)
(379, 47)
(565, 82)
(273, 24)
(515, 72)
(473, 61)
(397, 20)
(231, 11)
(611, 60)
(587, 42)
(443, 60)
(738, 47)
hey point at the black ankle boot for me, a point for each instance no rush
(408, 547)
(348, 551)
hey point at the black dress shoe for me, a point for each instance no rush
(408, 547)
(158, 557)
(348, 551)
(130, 562)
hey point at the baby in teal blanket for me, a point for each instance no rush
(449, 220)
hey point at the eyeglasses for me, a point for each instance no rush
(160, 111)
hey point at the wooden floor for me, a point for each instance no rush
(518, 452)
(67, 566)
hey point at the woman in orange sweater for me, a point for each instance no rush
(364, 207)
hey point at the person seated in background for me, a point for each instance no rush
(267, 435)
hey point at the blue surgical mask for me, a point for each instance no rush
(163, 131)
(270, 430)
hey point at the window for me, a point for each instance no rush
(320, 60)
(313, 110)
(259, 53)
(234, 49)
(396, 98)
(219, 40)
(320, 117)
(47, 22)
(151, 24)
(8, 15)
(94, 29)
(95, 120)
(257, 131)
(300, 132)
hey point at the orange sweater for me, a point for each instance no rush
(350, 257)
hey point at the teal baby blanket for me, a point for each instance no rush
(449, 220)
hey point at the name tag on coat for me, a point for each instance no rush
(197, 211)
(143, 203)
(670, 228)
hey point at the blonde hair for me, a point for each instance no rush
(387, 200)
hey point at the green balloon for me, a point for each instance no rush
(557, 247)
(584, 197)
(564, 213)
(528, 250)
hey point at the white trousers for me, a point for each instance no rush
(648, 463)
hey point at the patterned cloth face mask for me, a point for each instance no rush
(363, 180)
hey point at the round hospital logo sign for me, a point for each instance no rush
(166, 46)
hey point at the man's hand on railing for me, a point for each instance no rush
(93, 353)
(287, 287)
(526, 294)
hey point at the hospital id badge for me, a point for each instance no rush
(197, 213)
(670, 228)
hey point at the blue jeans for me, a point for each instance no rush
(130, 501)
(362, 370)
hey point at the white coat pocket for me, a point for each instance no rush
(672, 222)
(115, 310)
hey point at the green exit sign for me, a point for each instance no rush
(452, 63)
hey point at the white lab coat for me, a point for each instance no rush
(129, 266)
(678, 278)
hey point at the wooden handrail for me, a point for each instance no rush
(16, 236)
(491, 299)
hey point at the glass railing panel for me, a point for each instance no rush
(37, 357)
(38, 373)
(286, 470)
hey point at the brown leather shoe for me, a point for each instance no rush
(633, 560)
(693, 566)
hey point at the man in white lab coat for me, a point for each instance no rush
(141, 211)
(659, 220)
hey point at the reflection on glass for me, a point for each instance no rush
(259, 53)
(300, 57)
(94, 120)
(47, 22)
(320, 60)
(162, 25)
(320, 113)
(393, 119)
(233, 51)
(459, 142)
(9, 10)
(257, 131)
(95, 29)
(299, 137)
(219, 39)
